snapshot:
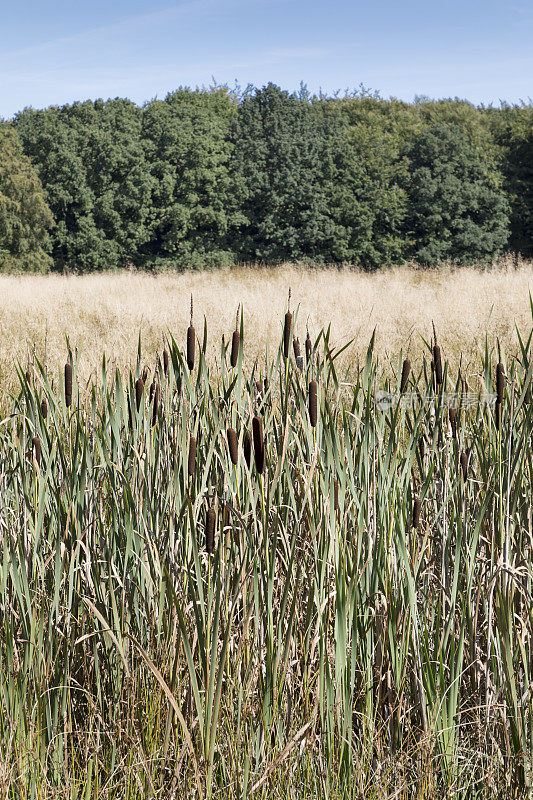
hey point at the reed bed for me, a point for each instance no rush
(287, 579)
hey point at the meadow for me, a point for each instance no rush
(259, 555)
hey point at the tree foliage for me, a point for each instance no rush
(211, 176)
(25, 218)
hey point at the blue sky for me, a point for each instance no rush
(56, 52)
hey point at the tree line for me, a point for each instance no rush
(214, 177)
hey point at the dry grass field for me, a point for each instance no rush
(105, 313)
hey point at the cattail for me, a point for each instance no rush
(287, 333)
(190, 347)
(190, 343)
(464, 465)
(36, 443)
(68, 384)
(438, 364)
(44, 408)
(406, 369)
(500, 383)
(247, 448)
(296, 348)
(191, 464)
(156, 403)
(166, 359)
(144, 376)
(259, 446)
(152, 389)
(139, 389)
(417, 507)
(235, 341)
(28, 376)
(527, 397)
(335, 494)
(498, 414)
(421, 447)
(313, 404)
(453, 421)
(308, 348)
(232, 444)
(210, 530)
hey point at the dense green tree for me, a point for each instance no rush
(279, 159)
(187, 144)
(25, 218)
(91, 161)
(454, 211)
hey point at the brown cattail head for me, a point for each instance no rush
(422, 446)
(139, 389)
(190, 347)
(166, 361)
(406, 369)
(44, 408)
(453, 421)
(296, 348)
(500, 383)
(235, 341)
(68, 384)
(210, 530)
(247, 448)
(36, 444)
(152, 389)
(527, 397)
(259, 445)
(287, 334)
(155, 406)
(335, 494)
(464, 465)
(28, 376)
(191, 463)
(313, 403)
(417, 507)
(232, 444)
(144, 376)
(438, 364)
(498, 414)
(308, 348)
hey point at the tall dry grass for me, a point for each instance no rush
(106, 312)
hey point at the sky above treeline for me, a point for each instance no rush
(60, 51)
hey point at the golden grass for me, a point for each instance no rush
(104, 313)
